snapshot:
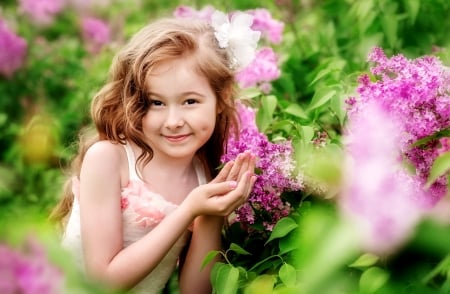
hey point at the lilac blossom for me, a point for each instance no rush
(41, 11)
(96, 33)
(28, 271)
(276, 165)
(183, 11)
(263, 69)
(13, 52)
(379, 196)
(416, 93)
(270, 28)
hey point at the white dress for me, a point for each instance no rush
(142, 210)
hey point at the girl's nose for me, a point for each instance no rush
(174, 118)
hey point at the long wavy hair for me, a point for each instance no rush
(118, 108)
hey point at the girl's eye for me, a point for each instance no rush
(155, 103)
(190, 101)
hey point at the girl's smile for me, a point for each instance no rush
(177, 139)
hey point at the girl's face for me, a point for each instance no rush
(182, 112)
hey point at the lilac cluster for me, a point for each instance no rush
(96, 33)
(264, 67)
(261, 71)
(271, 29)
(28, 272)
(41, 12)
(13, 50)
(416, 94)
(379, 196)
(276, 173)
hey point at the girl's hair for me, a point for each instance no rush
(118, 108)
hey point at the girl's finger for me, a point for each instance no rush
(235, 171)
(223, 175)
(249, 165)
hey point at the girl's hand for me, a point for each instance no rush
(227, 191)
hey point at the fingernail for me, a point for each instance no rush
(233, 184)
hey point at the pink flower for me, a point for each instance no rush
(28, 271)
(13, 51)
(270, 28)
(379, 197)
(96, 33)
(263, 69)
(41, 11)
(416, 93)
(205, 13)
(276, 163)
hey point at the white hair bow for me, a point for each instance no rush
(237, 36)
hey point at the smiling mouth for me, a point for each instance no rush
(178, 138)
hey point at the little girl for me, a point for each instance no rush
(147, 194)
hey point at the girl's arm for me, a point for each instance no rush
(101, 223)
(206, 233)
(206, 236)
(101, 219)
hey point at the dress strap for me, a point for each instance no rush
(200, 171)
(131, 162)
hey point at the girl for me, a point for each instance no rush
(146, 193)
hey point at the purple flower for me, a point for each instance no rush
(270, 28)
(263, 69)
(183, 11)
(379, 197)
(12, 54)
(415, 93)
(28, 271)
(41, 11)
(276, 165)
(96, 33)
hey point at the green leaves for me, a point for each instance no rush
(440, 167)
(224, 278)
(283, 227)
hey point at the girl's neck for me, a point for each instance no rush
(177, 166)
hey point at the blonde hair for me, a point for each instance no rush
(118, 108)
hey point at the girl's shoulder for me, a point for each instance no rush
(105, 150)
(106, 157)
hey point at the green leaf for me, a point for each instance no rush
(283, 227)
(308, 134)
(225, 278)
(390, 23)
(249, 93)
(441, 165)
(262, 284)
(372, 280)
(365, 260)
(321, 96)
(296, 110)
(209, 257)
(288, 274)
(238, 249)
(264, 116)
(321, 74)
(412, 7)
